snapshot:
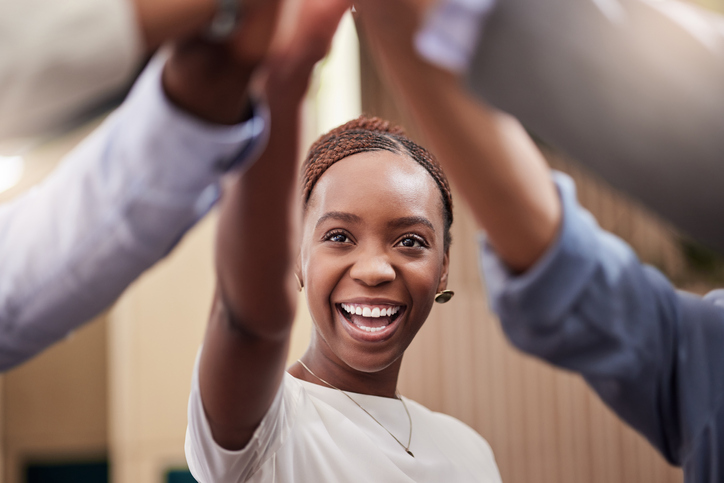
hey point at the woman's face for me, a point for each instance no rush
(372, 257)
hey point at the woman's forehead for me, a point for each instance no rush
(374, 181)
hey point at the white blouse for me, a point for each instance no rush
(314, 433)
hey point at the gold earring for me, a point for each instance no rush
(444, 296)
(300, 285)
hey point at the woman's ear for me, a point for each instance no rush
(442, 285)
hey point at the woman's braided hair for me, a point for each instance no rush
(366, 134)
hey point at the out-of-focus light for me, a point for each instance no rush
(339, 98)
(11, 170)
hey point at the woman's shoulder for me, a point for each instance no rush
(446, 426)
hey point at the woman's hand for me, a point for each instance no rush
(304, 37)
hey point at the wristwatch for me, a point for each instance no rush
(224, 23)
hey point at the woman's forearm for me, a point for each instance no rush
(490, 158)
(257, 237)
(246, 342)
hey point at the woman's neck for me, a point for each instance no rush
(332, 372)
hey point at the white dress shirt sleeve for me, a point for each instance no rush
(117, 204)
(449, 35)
(58, 58)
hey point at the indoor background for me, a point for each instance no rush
(109, 403)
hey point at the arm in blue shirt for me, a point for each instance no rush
(117, 204)
(652, 353)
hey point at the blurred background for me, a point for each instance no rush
(109, 403)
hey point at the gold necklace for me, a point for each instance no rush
(397, 396)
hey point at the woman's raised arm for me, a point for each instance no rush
(487, 154)
(245, 348)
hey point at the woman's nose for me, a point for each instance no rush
(372, 269)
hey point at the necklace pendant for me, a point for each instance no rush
(410, 453)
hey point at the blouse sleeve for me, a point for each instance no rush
(589, 305)
(210, 463)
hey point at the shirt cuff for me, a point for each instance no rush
(450, 32)
(181, 153)
(546, 290)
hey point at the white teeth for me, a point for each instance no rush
(370, 329)
(374, 312)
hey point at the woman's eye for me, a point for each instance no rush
(337, 238)
(412, 242)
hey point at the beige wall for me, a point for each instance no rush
(54, 407)
(155, 332)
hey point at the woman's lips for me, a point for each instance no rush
(370, 322)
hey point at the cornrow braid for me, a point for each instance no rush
(366, 134)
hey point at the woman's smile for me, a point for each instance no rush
(370, 322)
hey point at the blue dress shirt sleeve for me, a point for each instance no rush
(117, 204)
(652, 353)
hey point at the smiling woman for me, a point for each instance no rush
(371, 249)
(374, 253)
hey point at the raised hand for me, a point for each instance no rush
(209, 79)
(303, 38)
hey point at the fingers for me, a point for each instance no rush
(251, 42)
(307, 29)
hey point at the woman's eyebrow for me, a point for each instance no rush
(407, 221)
(340, 216)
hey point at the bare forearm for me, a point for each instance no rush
(488, 155)
(162, 20)
(245, 348)
(497, 169)
(209, 79)
(247, 339)
(207, 82)
(260, 214)
(257, 237)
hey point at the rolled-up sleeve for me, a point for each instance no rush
(588, 305)
(117, 204)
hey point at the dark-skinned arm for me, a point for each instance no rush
(245, 347)
(487, 154)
